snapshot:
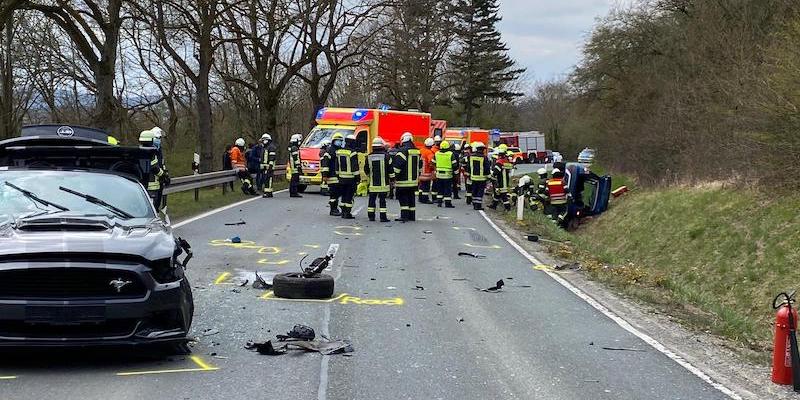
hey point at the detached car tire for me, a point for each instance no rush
(295, 286)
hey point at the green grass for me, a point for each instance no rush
(182, 205)
(711, 256)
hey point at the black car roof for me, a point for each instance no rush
(65, 131)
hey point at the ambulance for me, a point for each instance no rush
(365, 124)
(462, 136)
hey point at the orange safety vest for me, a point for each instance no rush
(556, 192)
(428, 167)
(237, 159)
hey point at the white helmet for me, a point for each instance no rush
(556, 170)
(296, 138)
(239, 142)
(429, 142)
(542, 171)
(407, 137)
(457, 147)
(266, 137)
(350, 137)
(157, 132)
(378, 142)
(437, 138)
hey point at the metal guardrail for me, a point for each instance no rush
(194, 182)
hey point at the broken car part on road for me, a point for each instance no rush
(310, 283)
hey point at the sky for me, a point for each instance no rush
(545, 36)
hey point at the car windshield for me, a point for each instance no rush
(513, 149)
(30, 192)
(319, 134)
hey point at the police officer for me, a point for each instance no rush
(328, 168)
(379, 172)
(479, 170)
(323, 150)
(347, 172)
(501, 175)
(407, 164)
(267, 165)
(294, 163)
(159, 176)
(445, 165)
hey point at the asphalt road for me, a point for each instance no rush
(533, 340)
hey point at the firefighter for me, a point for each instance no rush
(557, 196)
(445, 165)
(407, 164)
(347, 172)
(456, 150)
(329, 176)
(512, 192)
(240, 166)
(379, 173)
(323, 150)
(501, 176)
(267, 165)
(479, 167)
(428, 169)
(159, 176)
(437, 141)
(465, 154)
(294, 163)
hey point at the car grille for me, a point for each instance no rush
(110, 328)
(69, 284)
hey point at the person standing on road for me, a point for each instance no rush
(323, 150)
(445, 165)
(226, 163)
(254, 161)
(437, 141)
(379, 172)
(328, 167)
(407, 164)
(239, 164)
(456, 150)
(159, 177)
(428, 169)
(479, 170)
(501, 175)
(347, 169)
(465, 168)
(270, 154)
(294, 163)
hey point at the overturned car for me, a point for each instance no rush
(85, 258)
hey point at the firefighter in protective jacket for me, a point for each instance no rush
(348, 174)
(407, 164)
(379, 172)
(267, 165)
(294, 163)
(479, 167)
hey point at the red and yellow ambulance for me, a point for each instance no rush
(464, 136)
(365, 124)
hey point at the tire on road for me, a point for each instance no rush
(295, 286)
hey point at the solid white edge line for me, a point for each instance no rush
(217, 210)
(614, 317)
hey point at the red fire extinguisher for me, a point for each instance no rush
(785, 356)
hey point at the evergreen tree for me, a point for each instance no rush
(481, 67)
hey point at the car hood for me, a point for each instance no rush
(148, 238)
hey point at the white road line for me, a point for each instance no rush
(217, 210)
(614, 317)
(322, 389)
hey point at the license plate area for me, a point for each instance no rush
(65, 315)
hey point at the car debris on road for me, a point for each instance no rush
(301, 337)
(473, 255)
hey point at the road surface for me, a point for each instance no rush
(406, 300)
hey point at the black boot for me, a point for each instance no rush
(371, 216)
(295, 195)
(493, 206)
(448, 204)
(412, 215)
(384, 218)
(335, 211)
(403, 216)
(346, 214)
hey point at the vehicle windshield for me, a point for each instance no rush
(513, 149)
(319, 134)
(42, 187)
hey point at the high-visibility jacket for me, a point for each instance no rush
(294, 159)
(379, 170)
(428, 166)
(156, 172)
(445, 165)
(346, 164)
(556, 191)
(479, 168)
(407, 164)
(269, 157)
(237, 158)
(327, 164)
(502, 175)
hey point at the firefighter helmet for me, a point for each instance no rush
(542, 171)
(337, 135)
(378, 142)
(407, 137)
(429, 142)
(296, 138)
(266, 137)
(240, 142)
(146, 136)
(445, 145)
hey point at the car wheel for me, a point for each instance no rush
(295, 286)
(302, 188)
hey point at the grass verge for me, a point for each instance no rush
(711, 256)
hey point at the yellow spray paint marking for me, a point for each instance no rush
(477, 246)
(343, 298)
(542, 267)
(246, 245)
(202, 366)
(268, 262)
(348, 230)
(2, 378)
(461, 228)
(222, 278)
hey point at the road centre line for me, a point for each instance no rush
(218, 210)
(477, 246)
(201, 364)
(614, 317)
(7, 378)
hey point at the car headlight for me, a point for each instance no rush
(166, 270)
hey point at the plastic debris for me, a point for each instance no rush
(265, 348)
(418, 287)
(240, 222)
(496, 288)
(623, 349)
(300, 332)
(473, 255)
(260, 283)
(210, 331)
(236, 239)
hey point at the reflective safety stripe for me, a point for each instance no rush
(444, 165)
(476, 168)
(345, 168)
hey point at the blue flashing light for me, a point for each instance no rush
(321, 113)
(359, 114)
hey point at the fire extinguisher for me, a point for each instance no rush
(785, 356)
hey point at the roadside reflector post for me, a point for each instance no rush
(520, 207)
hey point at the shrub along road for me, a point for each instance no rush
(404, 298)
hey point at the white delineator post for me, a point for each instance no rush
(521, 198)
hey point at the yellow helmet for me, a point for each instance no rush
(502, 148)
(337, 135)
(444, 145)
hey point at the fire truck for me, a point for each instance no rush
(464, 136)
(438, 127)
(365, 124)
